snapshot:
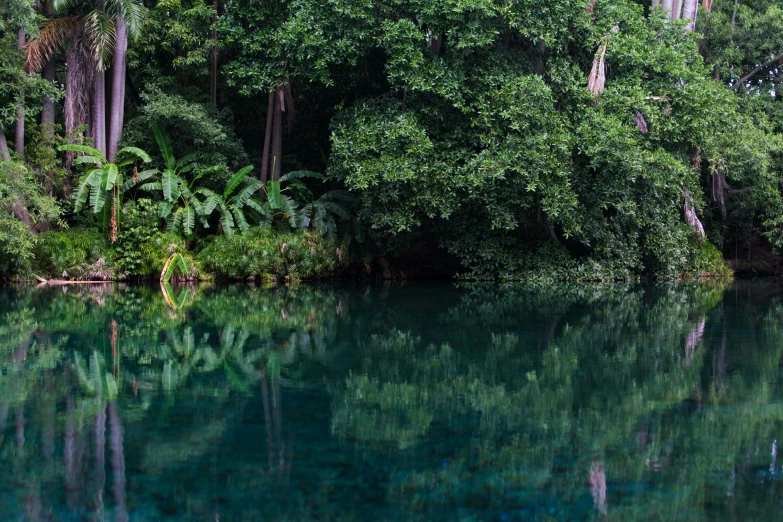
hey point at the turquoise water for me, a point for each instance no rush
(414, 402)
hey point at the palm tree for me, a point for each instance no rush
(95, 33)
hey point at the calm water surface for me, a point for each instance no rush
(402, 403)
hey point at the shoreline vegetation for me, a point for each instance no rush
(557, 141)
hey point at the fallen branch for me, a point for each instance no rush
(54, 282)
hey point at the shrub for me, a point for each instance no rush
(71, 251)
(263, 253)
(20, 195)
(141, 248)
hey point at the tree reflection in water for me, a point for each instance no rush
(406, 403)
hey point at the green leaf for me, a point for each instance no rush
(211, 202)
(164, 209)
(84, 149)
(183, 266)
(85, 187)
(189, 220)
(239, 218)
(133, 152)
(299, 174)
(236, 179)
(87, 159)
(165, 147)
(142, 176)
(110, 171)
(175, 221)
(170, 182)
(273, 194)
(98, 191)
(186, 163)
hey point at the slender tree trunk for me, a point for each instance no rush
(666, 5)
(213, 75)
(117, 463)
(270, 114)
(277, 135)
(100, 459)
(676, 9)
(689, 12)
(656, 3)
(4, 155)
(47, 110)
(19, 138)
(99, 112)
(117, 90)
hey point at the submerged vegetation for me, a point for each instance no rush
(517, 140)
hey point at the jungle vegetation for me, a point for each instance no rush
(491, 139)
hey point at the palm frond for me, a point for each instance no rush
(101, 38)
(53, 37)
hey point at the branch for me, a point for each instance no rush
(748, 76)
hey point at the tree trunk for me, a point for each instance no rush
(117, 463)
(47, 110)
(270, 113)
(213, 72)
(117, 90)
(656, 3)
(99, 112)
(689, 12)
(676, 9)
(100, 457)
(277, 135)
(666, 5)
(19, 138)
(4, 155)
(78, 80)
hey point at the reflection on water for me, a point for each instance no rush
(419, 402)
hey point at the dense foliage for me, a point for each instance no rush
(513, 139)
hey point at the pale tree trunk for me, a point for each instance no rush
(99, 112)
(100, 459)
(676, 10)
(666, 5)
(277, 135)
(689, 12)
(213, 72)
(117, 90)
(270, 114)
(19, 138)
(117, 464)
(47, 110)
(4, 155)
(656, 3)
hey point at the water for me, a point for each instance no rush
(403, 403)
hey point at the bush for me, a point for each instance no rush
(71, 251)
(709, 261)
(270, 255)
(141, 248)
(20, 194)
